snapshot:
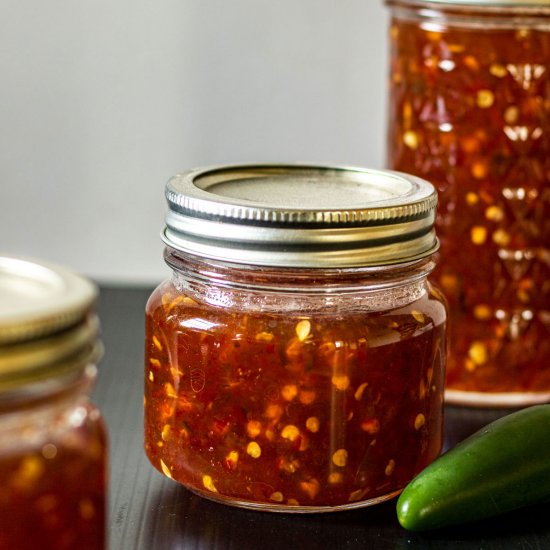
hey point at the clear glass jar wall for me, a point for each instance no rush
(470, 112)
(294, 389)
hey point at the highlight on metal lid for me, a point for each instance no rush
(301, 215)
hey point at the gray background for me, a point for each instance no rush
(102, 101)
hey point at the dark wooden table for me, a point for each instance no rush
(150, 512)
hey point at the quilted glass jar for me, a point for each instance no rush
(469, 110)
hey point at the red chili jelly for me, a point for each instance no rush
(52, 474)
(295, 388)
(470, 112)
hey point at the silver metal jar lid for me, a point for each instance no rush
(46, 322)
(301, 216)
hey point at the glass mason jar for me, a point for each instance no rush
(469, 110)
(52, 439)
(294, 362)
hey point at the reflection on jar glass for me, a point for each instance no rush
(288, 367)
(52, 438)
(470, 112)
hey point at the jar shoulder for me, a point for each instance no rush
(173, 311)
(164, 289)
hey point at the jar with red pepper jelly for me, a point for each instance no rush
(294, 362)
(469, 110)
(52, 439)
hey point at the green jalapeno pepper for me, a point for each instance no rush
(502, 467)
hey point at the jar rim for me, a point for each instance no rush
(295, 215)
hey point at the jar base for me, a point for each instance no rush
(289, 509)
(495, 399)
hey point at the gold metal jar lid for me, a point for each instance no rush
(46, 322)
(301, 216)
